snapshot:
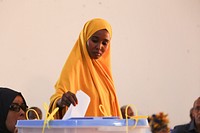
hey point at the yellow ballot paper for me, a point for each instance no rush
(80, 109)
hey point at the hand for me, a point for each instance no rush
(67, 99)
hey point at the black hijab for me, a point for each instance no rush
(7, 96)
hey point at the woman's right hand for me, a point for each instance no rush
(67, 99)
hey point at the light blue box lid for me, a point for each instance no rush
(83, 122)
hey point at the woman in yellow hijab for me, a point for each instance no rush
(88, 69)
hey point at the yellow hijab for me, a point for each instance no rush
(94, 77)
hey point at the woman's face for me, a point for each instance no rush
(15, 113)
(98, 43)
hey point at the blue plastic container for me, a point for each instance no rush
(85, 125)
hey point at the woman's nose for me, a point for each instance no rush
(99, 45)
(22, 114)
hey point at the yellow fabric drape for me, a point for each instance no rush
(92, 76)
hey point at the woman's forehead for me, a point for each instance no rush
(18, 99)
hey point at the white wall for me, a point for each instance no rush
(155, 49)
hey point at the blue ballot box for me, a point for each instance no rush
(85, 125)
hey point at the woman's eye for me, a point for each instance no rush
(104, 43)
(94, 40)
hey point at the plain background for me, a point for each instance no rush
(155, 49)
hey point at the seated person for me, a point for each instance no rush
(13, 107)
(159, 123)
(34, 113)
(129, 111)
(194, 125)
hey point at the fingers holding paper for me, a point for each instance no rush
(67, 99)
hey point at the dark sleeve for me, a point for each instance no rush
(180, 129)
(176, 130)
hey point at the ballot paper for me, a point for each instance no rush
(80, 109)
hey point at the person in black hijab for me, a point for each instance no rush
(12, 108)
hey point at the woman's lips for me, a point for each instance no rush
(97, 53)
